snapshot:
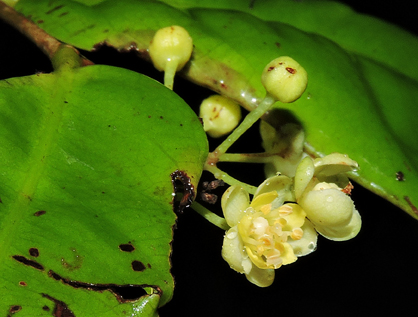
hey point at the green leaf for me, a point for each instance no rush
(86, 193)
(361, 93)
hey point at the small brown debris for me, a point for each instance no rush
(291, 70)
(34, 252)
(400, 176)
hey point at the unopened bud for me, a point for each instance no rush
(284, 79)
(220, 115)
(170, 50)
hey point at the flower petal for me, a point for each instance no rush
(295, 219)
(328, 207)
(234, 202)
(264, 199)
(288, 256)
(333, 164)
(280, 183)
(260, 277)
(304, 174)
(233, 252)
(308, 242)
(342, 233)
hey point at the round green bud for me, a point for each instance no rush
(284, 79)
(170, 45)
(220, 115)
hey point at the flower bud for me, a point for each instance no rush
(284, 79)
(171, 43)
(220, 115)
(170, 50)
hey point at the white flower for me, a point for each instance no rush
(321, 189)
(266, 233)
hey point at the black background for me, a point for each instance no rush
(374, 274)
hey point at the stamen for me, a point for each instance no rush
(267, 241)
(260, 250)
(281, 221)
(265, 209)
(274, 259)
(297, 234)
(285, 210)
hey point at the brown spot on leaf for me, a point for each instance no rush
(138, 266)
(46, 308)
(270, 68)
(60, 309)
(80, 31)
(126, 247)
(277, 44)
(34, 252)
(73, 264)
(184, 188)
(123, 293)
(39, 213)
(54, 9)
(23, 260)
(23, 283)
(15, 308)
(291, 70)
(400, 176)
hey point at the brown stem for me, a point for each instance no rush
(45, 42)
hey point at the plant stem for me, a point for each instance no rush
(210, 216)
(248, 121)
(170, 72)
(219, 174)
(45, 42)
(247, 157)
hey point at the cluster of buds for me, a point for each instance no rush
(288, 210)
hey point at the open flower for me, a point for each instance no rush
(266, 233)
(321, 189)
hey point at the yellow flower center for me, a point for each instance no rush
(265, 233)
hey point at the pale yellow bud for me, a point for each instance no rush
(170, 50)
(220, 115)
(284, 79)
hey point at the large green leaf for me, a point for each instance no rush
(86, 209)
(360, 96)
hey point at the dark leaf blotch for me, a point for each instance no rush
(138, 266)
